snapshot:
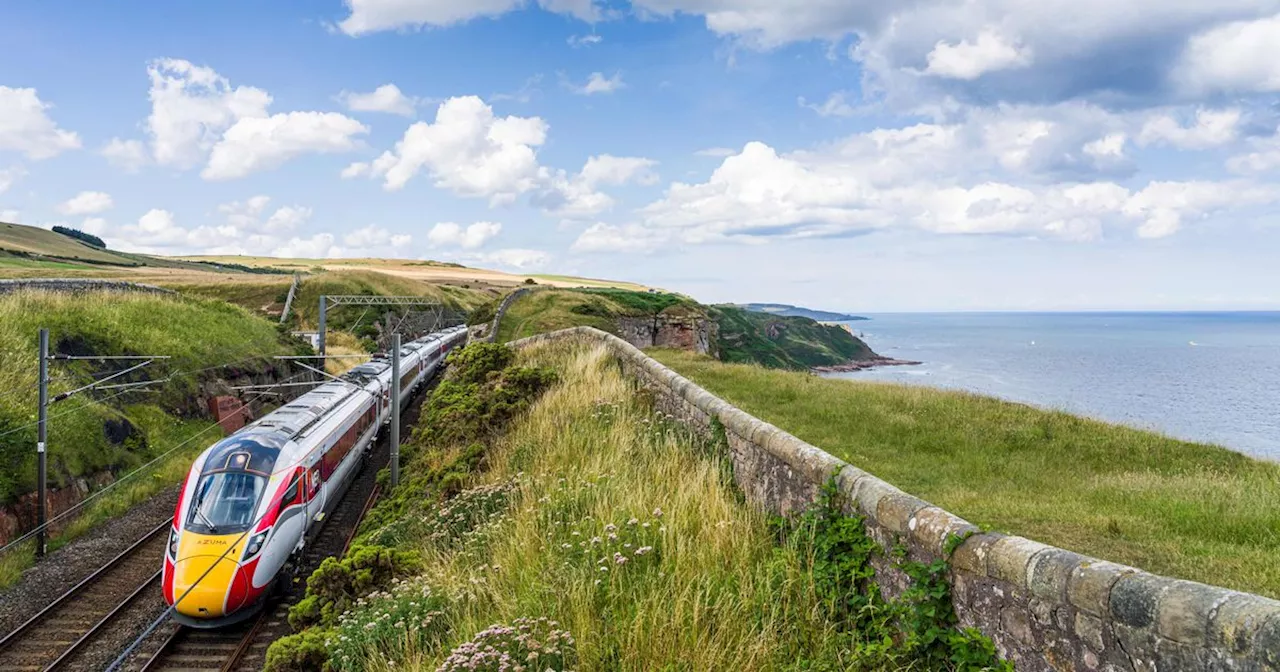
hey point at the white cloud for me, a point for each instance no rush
(579, 195)
(10, 216)
(1212, 128)
(369, 16)
(902, 178)
(93, 225)
(471, 237)
(716, 152)
(835, 106)
(257, 143)
(318, 246)
(520, 259)
(618, 170)
(11, 175)
(1234, 57)
(129, 155)
(467, 150)
(598, 83)
(970, 60)
(86, 203)
(1110, 146)
(386, 98)
(373, 240)
(632, 238)
(584, 40)
(1264, 157)
(243, 232)
(190, 108)
(25, 126)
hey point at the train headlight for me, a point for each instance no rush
(255, 545)
(173, 543)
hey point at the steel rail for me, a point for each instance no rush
(88, 580)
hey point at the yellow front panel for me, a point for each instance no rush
(206, 556)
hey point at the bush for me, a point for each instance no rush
(337, 584)
(530, 281)
(303, 652)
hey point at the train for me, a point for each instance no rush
(251, 502)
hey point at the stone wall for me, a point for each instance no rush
(78, 286)
(694, 333)
(501, 312)
(1045, 608)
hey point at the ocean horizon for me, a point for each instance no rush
(1206, 376)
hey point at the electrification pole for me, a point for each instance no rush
(41, 436)
(395, 410)
(323, 306)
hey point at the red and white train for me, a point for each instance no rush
(250, 500)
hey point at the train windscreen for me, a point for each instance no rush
(225, 501)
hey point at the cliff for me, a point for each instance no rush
(786, 342)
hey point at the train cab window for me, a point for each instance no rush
(225, 502)
(291, 495)
(314, 482)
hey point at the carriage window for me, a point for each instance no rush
(225, 501)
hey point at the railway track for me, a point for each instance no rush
(60, 633)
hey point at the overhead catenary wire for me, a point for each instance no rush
(128, 476)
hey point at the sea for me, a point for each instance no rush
(1208, 377)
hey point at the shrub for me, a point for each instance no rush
(530, 281)
(303, 652)
(337, 584)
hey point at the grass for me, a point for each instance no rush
(620, 528)
(195, 333)
(33, 240)
(1181, 509)
(552, 309)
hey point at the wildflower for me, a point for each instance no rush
(657, 513)
(633, 522)
(643, 550)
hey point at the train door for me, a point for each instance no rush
(315, 493)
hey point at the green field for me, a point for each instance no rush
(1182, 509)
(37, 241)
(551, 309)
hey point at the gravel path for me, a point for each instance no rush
(62, 569)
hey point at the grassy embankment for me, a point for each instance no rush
(1186, 510)
(613, 537)
(195, 333)
(552, 309)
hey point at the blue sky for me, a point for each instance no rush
(866, 156)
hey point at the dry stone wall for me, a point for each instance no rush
(1045, 608)
(78, 286)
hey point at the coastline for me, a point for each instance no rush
(864, 364)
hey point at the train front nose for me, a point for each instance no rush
(206, 574)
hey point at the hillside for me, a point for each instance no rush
(784, 342)
(796, 311)
(744, 336)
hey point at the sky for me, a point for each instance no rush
(854, 155)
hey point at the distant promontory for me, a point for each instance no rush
(797, 311)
